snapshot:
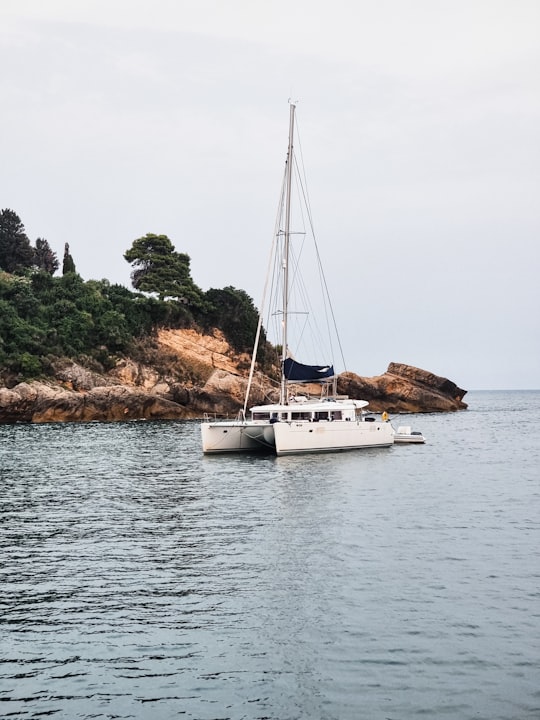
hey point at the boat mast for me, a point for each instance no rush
(283, 391)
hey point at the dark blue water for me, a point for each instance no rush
(140, 579)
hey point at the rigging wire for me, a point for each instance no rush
(272, 288)
(261, 307)
(302, 178)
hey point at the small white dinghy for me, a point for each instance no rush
(405, 434)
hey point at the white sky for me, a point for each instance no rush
(420, 127)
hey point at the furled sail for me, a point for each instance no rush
(296, 372)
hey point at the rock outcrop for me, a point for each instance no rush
(404, 389)
(39, 402)
(193, 374)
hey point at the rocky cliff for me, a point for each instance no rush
(186, 374)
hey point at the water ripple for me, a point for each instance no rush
(142, 580)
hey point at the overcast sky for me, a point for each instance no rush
(420, 127)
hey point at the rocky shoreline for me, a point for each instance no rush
(211, 380)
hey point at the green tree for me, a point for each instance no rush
(68, 266)
(112, 331)
(72, 328)
(44, 286)
(158, 268)
(233, 311)
(44, 258)
(16, 253)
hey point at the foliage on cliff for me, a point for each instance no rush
(43, 317)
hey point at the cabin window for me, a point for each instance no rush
(261, 416)
(301, 416)
(321, 416)
(336, 415)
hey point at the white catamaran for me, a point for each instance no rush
(296, 424)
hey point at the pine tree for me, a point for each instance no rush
(158, 268)
(45, 258)
(16, 253)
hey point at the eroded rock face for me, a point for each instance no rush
(212, 351)
(427, 379)
(38, 402)
(223, 393)
(404, 389)
(136, 391)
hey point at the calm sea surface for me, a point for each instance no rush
(140, 579)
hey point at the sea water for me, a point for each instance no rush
(140, 579)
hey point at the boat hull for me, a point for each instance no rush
(236, 436)
(294, 438)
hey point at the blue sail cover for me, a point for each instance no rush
(296, 372)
